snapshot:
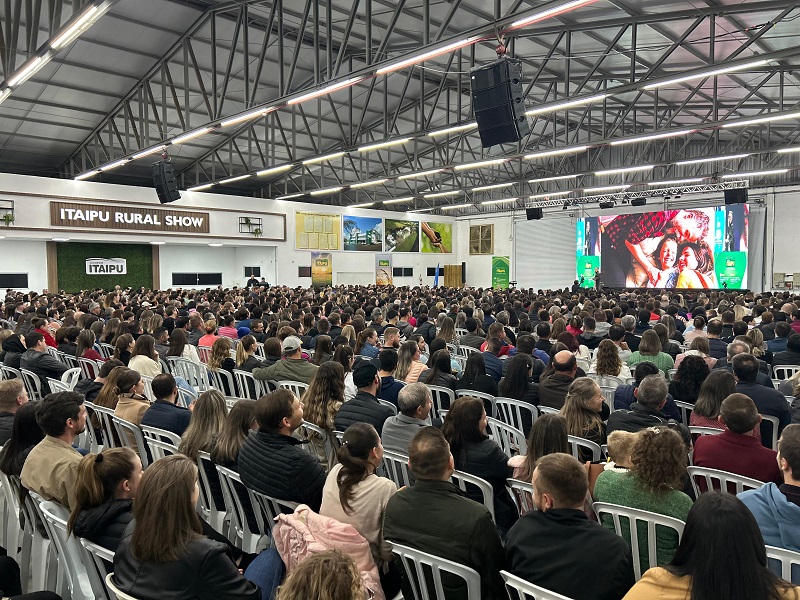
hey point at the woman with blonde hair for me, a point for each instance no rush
(328, 575)
(109, 394)
(584, 411)
(239, 422)
(759, 347)
(246, 359)
(559, 326)
(448, 331)
(131, 403)
(321, 401)
(220, 359)
(409, 367)
(607, 361)
(210, 328)
(349, 332)
(208, 417)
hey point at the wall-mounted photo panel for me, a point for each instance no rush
(317, 231)
(436, 237)
(401, 236)
(362, 234)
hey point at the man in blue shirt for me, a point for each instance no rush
(164, 413)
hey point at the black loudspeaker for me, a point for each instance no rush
(638, 201)
(463, 272)
(738, 196)
(164, 182)
(534, 213)
(498, 102)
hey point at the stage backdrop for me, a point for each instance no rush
(72, 257)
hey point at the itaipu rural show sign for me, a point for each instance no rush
(65, 214)
(106, 266)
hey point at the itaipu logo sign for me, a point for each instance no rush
(133, 218)
(106, 266)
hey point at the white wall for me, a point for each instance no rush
(203, 259)
(479, 268)
(25, 257)
(783, 229)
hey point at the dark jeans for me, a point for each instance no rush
(266, 571)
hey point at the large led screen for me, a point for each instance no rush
(689, 249)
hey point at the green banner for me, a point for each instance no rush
(730, 268)
(500, 269)
(585, 272)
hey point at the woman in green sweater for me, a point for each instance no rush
(657, 475)
(650, 350)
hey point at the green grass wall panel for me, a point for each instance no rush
(72, 257)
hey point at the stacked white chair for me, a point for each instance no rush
(423, 569)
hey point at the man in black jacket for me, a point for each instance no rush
(628, 322)
(165, 413)
(12, 396)
(40, 362)
(553, 388)
(790, 356)
(471, 338)
(717, 348)
(557, 545)
(768, 401)
(270, 462)
(435, 516)
(364, 407)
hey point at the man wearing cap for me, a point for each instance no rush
(364, 407)
(292, 368)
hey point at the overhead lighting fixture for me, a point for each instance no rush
(558, 152)
(74, 30)
(249, 115)
(648, 138)
(362, 205)
(59, 240)
(624, 170)
(794, 115)
(86, 175)
(705, 74)
(420, 174)
(454, 129)
(192, 134)
(426, 55)
(115, 164)
(416, 210)
(606, 188)
(480, 164)
(147, 152)
(607, 204)
(326, 191)
(274, 170)
(556, 178)
(785, 150)
(290, 196)
(199, 188)
(503, 201)
(549, 13)
(455, 206)
(697, 161)
(496, 186)
(567, 104)
(158, 243)
(215, 245)
(364, 184)
(399, 200)
(380, 145)
(550, 195)
(326, 90)
(319, 159)
(442, 194)
(237, 178)
(5, 94)
(677, 181)
(756, 173)
(27, 71)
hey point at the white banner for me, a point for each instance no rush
(106, 266)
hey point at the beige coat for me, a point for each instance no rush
(51, 471)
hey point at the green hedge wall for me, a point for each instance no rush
(72, 257)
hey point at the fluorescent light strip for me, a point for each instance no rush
(624, 170)
(781, 151)
(756, 173)
(697, 161)
(455, 129)
(75, 29)
(364, 184)
(676, 181)
(550, 13)
(399, 200)
(426, 55)
(794, 115)
(560, 151)
(158, 243)
(273, 170)
(557, 178)
(362, 205)
(549, 195)
(60, 239)
(319, 159)
(326, 90)
(420, 174)
(199, 188)
(497, 186)
(114, 164)
(232, 179)
(655, 136)
(705, 74)
(567, 104)
(147, 152)
(503, 201)
(326, 191)
(5, 94)
(455, 206)
(192, 134)
(247, 116)
(478, 165)
(290, 196)
(379, 145)
(86, 175)
(215, 245)
(442, 194)
(27, 72)
(416, 210)
(606, 188)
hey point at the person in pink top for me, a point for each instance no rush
(227, 329)
(210, 327)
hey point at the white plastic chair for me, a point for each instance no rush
(194, 374)
(547, 410)
(608, 395)
(270, 509)
(159, 448)
(235, 494)
(298, 388)
(161, 434)
(522, 494)
(104, 416)
(186, 397)
(115, 590)
(637, 517)
(609, 381)
(787, 560)
(95, 558)
(389, 405)
(215, 515)
(519, 589)
(423, 569)
(33, 385)
(56, 385)
(775, 426)
(148, 388)
(461, 480)
(68, 553)
(203, 352)
(71, 377)
(314, 434)
(395, 467)
(671, 374)
(249, 387)
(488, 400)
(10, 373)
(46, 573)
(89, 368)
(576, 443)
(510, 439)
(106, 350)
(443, 398)
(784, 371)
(223, 381)
(130, 435)
(686, 409)
(12, 531)
(721, 480)
(697, 430)
(583, 363)
(515, 413)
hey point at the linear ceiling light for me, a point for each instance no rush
(147, 152)
(624, 170)
(756, 173)
(549, 195)
(496, 186)
(420, 174)
(274, 170)
(399, 200)
(199, 188)
(86, 175)
(326, 90)
(442, 194)
(115, 164)
(416, 210)
(379, 145)
(192, 134)
(326, 191)
(785, 150)
(426, 55)
(455, 206)
(503, 201)
(83, 23)
(249, 115)
(480, 164)
(27, 71)
(607, 188)
(697, 161)
(364, 184)
(455, 129)
(648, 138)
(319, 159)
(290, 196)
(794, 115)
(546, 14)
(560, 151)
(237, 178)
(567, 104)
(557, 178)
(676, 181)
(5, 94)
(704, 74)
(362, 205)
